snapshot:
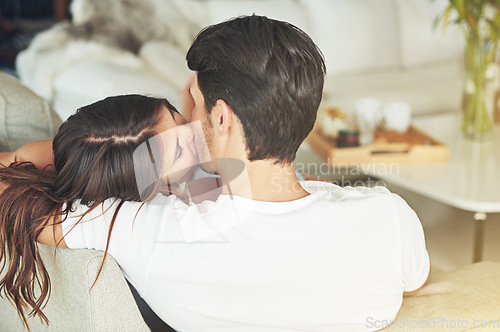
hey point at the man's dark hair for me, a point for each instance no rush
(270, 73)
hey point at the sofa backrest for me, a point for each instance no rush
(420, 43)
(73, 306)
(358, 36)
(24, 116)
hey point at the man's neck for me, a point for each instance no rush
(263, 180)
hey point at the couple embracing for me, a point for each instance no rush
(268, 252)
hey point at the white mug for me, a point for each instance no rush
(397, 116)
(368, 114)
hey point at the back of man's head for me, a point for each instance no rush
(270, 73)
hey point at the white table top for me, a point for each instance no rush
(469, 181)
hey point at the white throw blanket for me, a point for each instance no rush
(97, 34)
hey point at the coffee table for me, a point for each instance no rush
(469, 181)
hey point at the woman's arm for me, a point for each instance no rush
(41, 154)
(52, 234)
(38, 152)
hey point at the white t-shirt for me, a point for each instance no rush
(336, 260)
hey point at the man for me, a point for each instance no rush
(271, 254)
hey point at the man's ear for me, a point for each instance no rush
(224, 118)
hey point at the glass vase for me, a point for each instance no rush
(480, 91)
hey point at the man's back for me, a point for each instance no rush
(335, 260)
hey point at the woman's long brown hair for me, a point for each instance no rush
(93, 161)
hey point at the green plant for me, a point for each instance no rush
(480, 22)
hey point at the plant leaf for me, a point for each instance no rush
(446, 17)
(459, 5)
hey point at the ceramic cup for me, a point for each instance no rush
(368, 115)
(397, 116)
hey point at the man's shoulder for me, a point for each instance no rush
(338, 192)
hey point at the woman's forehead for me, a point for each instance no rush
(169, 119)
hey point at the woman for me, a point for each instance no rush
(95, 154)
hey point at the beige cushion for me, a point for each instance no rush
(73, 306)
(454, 301)
(420, 43)
(111, 80)
(356, 36)
(24, 116)
(423, 88)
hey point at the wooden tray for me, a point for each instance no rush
(412, 147)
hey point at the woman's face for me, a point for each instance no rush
(179, 153)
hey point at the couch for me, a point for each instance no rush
(24, 116)
(73, 305)
(467, 296)
(385, 49)
(377, 48)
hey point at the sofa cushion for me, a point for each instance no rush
(167, 61)
(355, 36)
(285, 10)
(427, 89)
(89, 81)
(459, 300)
(420, 43)
(24, 116)
(73, 305)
